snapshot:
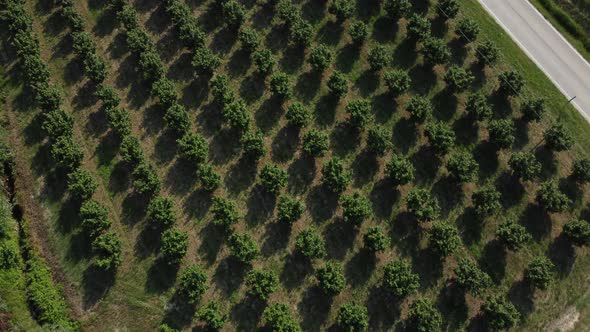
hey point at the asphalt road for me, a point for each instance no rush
(546, 47)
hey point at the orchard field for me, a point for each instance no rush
(289, 165)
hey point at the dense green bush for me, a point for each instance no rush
(551, 198)
(500, 313)
(192, 283)
(358, 32)
(130, 150)
(419, 108)
(273, 178)
(107, 247)
(577, 231)
(234, 13)
(320, 57)
(353, 317)
(514, 236)
(298, 115)
(378, 57)
(525, 165)
(249, 38)
(81, 184)
(478, 106)
(463, 167)
(400, 170)
(449, 8)
(95, 219)
(458, 79)
(359, 111)
(422, 205)
(243, 247)
(225, 212)
(355, 208)
(331, 278)
(193, 147)
(212, 315)
(558, 138)
(9, 255)
(418, 27)
(398, 81)
(174, 245)
(399, 279)
(289, 209)
(221, 90)
(301, 33)
(145, 179)
(533, 109)
(280, 85)
(440, 136)
(119, 120)
(165, 90)
(253, 144)
(424, 317)
(310, 244)
(150, 65)
(397, 8)
(335, 176)
(486, 201)
(277, 317)
(316, 143)
(444, 239)
(471, 278)
(540, 272)
(487, 52)
(237, 116)
(342, 9)
(436, 51)
(161, 212)
(264, 61)
(262, 283)
(502, 133)
(379, 140)
(375, 239)
(467, 30)
(177, 119)
(511, 83)
(208, 178)
(205, 61)
(66, 153)
(338, 84)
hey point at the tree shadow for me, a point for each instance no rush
(119, 179)
(163, 153)
(301, 174)
(148, 242)
(278, 38)
(548, 162)
(212, 238)
(451, 303)
(321, 203)
(360, 267)
(223, 41)
(423, 79)
(344, 139)
(428, 265)
(292, 59)
(570, 187)
(383, 196)
(384, 29)
(196, 92)
(160, 276)
(240, 176)
(295, 269)
(470, 226)
(346, 57)
(308, 85)
(521, 134)
(427, 164)
(133, 208)
(252, 88)
(367, 83)
(536, 221)
(339, 237)
(466, 130)
(510, 188)
(562, 254)
(197, 204)
(246, 313)
(325, 110)
(96, 283)
(261, 205)
(229, 275)
(314, 308)
(405, 234)
(269, 114)
(405, 134)
(181, 69)
(405, 55)
(364, 168)
(285, 144)
(330, 33)
(179, 312)
(459, 51)
(180, 178)
(445, 104)
(449, 194)
(106, 22)
(383, 106)
(383, 309)
(521, 294)
(54, 24)
(239, 63)
(486, 156)
(493, 260)
(223, 146)
(276, 237)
